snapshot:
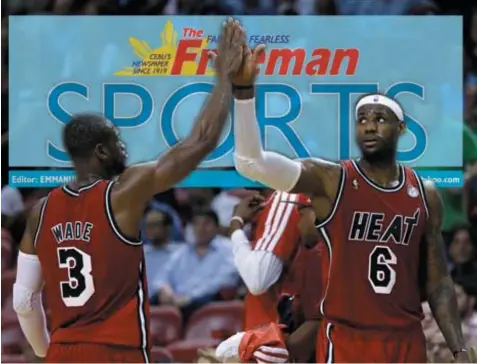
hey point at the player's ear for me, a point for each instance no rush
(402, 127)
(101, 151)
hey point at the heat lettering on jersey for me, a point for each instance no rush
(68, 231)
(369, 227)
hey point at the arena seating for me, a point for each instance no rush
(186, 351)
(217, 320)
(166, 325)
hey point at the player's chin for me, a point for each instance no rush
(369, 150)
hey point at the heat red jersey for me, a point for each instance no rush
(276, 231)
(374, 238)
(94, 276)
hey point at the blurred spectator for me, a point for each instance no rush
(197, 199)
(437, 348)
(224, 203)
(198, 271)
(12, 201)
(463, 264)
(159, 247)
(468, 315)
(176, 222)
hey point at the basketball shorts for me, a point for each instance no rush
(342, 344)
(94, 353)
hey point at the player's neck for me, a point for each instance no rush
(85, 174)
(383, 172)
(85, 179)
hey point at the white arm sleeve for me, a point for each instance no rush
(27, 302)
(269, 168)
(259, 269)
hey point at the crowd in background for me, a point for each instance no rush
(189, 259)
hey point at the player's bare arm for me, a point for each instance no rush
(28, 286)
(301, 342)
(139, 183)
(27, 244)
(440, 288)
(318, 178)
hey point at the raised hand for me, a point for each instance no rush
(230, 51)
(248, 71)
(249, 206)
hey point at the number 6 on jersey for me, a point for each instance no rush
(79, 288)
(381, 274)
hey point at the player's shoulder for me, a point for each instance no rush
(429, 185)
(432, 196)
(314, 162)
(39, 207)
(36, 213)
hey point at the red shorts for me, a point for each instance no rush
(94, 353)
(341, 344)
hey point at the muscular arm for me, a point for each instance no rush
(315, 177)
(142, 181)
(138, 184)
(301, 342)
(27, 289)
(440, 288)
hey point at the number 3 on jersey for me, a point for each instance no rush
(79, 288)
(381, 274)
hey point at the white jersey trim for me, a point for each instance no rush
(70, 192)
(402, 179)
(142, 315)
(330, 252)
(40, 222)
(112, 221)
(422, 192)
(339, 195)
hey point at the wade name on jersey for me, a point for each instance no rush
(370, 227)
(72, 231)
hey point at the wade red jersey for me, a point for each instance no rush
(276, 231)
(374, 239)
(94, 276)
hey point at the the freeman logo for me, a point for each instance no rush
(369, 227)
(189, 57)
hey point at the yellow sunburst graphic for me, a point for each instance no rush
(159, 61)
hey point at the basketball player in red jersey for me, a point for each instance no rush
(275, 261)
(376, 217)
(82, 240)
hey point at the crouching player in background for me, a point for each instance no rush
(282, 269)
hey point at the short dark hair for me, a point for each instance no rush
(207, 212)
(84, 132)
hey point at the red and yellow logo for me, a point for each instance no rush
(188, 57)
